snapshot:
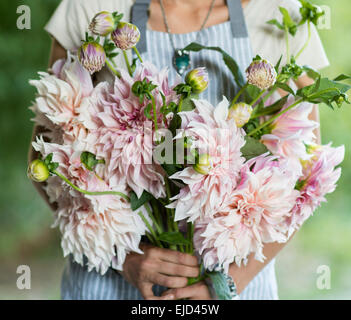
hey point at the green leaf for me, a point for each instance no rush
(288, 21)
(342, 77)
(175, 124)
(89, 160)
(277, 66)
(188, 103)
(174, 238)
(276, 23)
(253, 148)
(136, 202)
(170, 168)
(228, 60)
(285, 87)
(311, 72)
(272, 109)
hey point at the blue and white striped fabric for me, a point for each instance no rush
(77, 282)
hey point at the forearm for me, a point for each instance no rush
(243, 275)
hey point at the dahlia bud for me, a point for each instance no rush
(261, 74)
(92, 56)
(38, 171)
(203, 164)
(240, 113)
(197, 79)
(102, 24)
(125, 36)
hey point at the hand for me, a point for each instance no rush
(197, 291)
(159, 266)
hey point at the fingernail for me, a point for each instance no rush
(169, 297)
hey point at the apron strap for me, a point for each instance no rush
(237, 19)
(139, 17)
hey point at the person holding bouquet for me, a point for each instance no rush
(240, 29)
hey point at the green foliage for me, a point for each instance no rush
(89, 160)
(174, 238)
(287, 22)
(136, 202)
(228, 60)
(309, 12)
(142, 89)
(252, 148)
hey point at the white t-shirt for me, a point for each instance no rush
(72, 17)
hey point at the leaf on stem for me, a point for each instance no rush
(174, 238)
(253, 148)
(228, 60)
(136, 202)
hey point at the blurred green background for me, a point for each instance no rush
(25, 234)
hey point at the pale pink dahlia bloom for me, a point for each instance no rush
(59, 97)
(253, 214)
(290, 132)
(320, 176)
(212, 134)
(103, 228)
(123, 134)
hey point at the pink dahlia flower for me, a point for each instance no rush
(253, 214)
(214, 135)
(59, 97)
(291, 131)
(123, 134)
(103, 228)
(320, 176)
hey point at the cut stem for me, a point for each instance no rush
(91, 193)
(258, 97)
(127, 63)
(114, 71)
(151, 230)
(243, 88)
(287, 44)
(138, 54)
(274, 117)
(154, 111)
(307, 42)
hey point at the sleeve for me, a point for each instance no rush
(314, 54)
(68, 24)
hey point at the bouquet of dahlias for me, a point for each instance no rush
(142, 156)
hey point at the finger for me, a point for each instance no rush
(167, 281)
(194, 291)
(178, 257)
(173, 269)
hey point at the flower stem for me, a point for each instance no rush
(274, 117)
(307, 42)
(238, 94)
(151, 230)
(287, 44)
(180, 104)
(127, 62)
(154, 111)
(258, 97)
(152, 217)
(138, 54)
(114, 71)
(91, 193)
